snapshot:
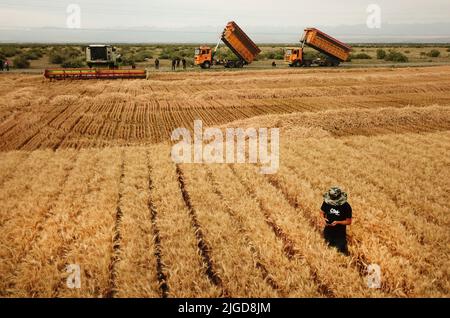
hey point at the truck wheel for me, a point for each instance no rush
(331, 63)
(206, 65)
(297, 64)
(239, 64)
(307, 63)
(230, 64)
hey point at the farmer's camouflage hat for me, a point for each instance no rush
(335, 196)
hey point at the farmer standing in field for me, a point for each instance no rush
(337, 214)
(157, 64)
(174, 63)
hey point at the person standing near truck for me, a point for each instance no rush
(7, 65)
(183, 62)
(337, 215)
(1, 65)
(174, 64)
(157, 64)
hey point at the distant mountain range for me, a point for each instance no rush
(388, 33)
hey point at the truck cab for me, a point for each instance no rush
(293, 56)
(203, 56)
(100, 55)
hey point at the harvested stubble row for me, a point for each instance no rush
(39, 115)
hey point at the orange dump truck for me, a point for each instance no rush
(334, 50)
(237, 41)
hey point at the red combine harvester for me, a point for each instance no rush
(106, 63)
(90, 73)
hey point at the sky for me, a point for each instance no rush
(192, 21)
(103, 14)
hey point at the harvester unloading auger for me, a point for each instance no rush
(103, 63)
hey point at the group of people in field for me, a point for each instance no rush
(176, 63)
(4, 65)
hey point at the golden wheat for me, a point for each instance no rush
(86, 178)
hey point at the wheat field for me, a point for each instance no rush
(86, 178)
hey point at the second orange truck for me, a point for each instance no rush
(334, 50)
